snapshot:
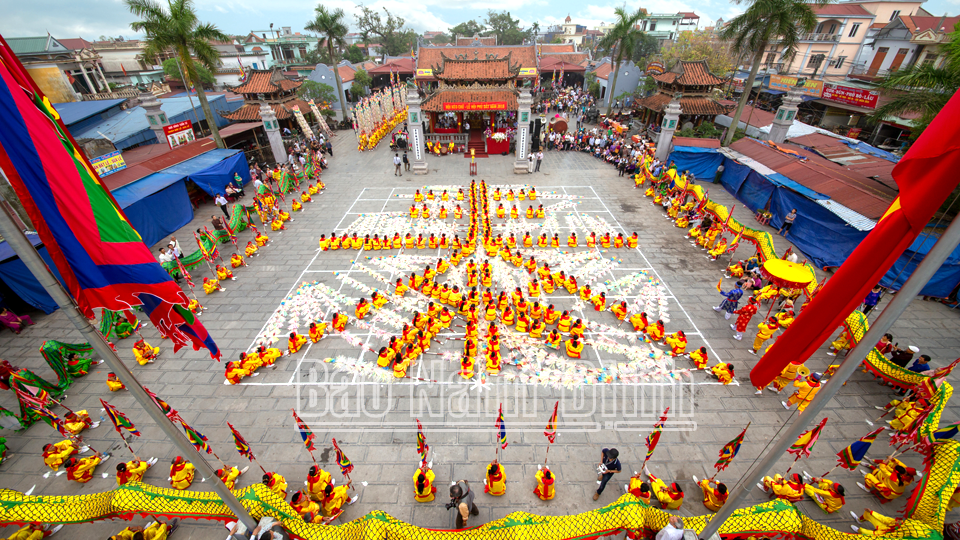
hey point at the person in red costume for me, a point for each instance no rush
(744, 315)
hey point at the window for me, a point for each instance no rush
(816, 61)
(771, 57)
(853, 30)
(929, 60)
(833, 28)
(839, 63)
(895, 14)
(653, 26)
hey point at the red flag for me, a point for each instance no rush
(926, 175)
(551, 430)
(123, 70)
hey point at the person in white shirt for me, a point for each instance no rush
(221, 201)
(256, 184)
(165, 256)
(174, 246)
(396, 165)
(673, 530)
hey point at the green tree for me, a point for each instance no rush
(766, 22)
(392, 32)
(172, 70)
(318, 92)
(354, 54)
(699, 45)
(176, 26)
(621, 40)
(593, 85)
(330, 24)
(557, 39)
(467, 29)
(317, 55)
(441, 39)
(646, 48)
(361, 82)
(506, 28)
(922, 90)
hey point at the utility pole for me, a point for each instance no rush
(930, 264)
(22, 247)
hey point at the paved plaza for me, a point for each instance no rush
(373, 420)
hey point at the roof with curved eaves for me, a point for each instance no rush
(266, 81)
(460, 69)
(689, 74)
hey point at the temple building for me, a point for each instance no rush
(695, 85)
(273, 88)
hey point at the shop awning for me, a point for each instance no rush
(844, 106)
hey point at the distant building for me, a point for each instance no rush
(286, 48)
(667, 26)
(903, 42)
(62, 73)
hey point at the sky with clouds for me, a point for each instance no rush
(91, 19)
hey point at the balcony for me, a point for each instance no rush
(814, 36)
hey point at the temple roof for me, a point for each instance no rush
(461, 69)
(250, 112)
(688, 105)
(266, 81)
(689, 74)
(471, 96)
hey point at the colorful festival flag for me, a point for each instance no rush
(342, 460)
(197, 439)
(305, 432)
(729, 451)
(119, 419)
(50, 417)
(242, 447)
(804, 443)
(944, 433)
(180, 325)
(551, 429)
(168, 411)
(100, 257)
(926, 175)
(501, 429)
(849, 458)
(422, 446)
(653, 438)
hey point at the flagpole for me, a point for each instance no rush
(22, 247)
(930, 264)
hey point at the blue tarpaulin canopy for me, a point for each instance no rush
(158, 204)
(21, 281)
(702, 162)
(943, 282)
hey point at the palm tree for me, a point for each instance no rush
(767, 21)
(330, 24)
(923, 89)
(178, 28)
(621, 40)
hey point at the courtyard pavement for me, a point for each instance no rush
(374, 423)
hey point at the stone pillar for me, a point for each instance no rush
(671, 119)
(417, 139)
(785, 116)
(155, 116)
(86, 77)
(106, 85)
(524, 101)
(272, 128)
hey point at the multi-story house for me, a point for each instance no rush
(667, 26)
(905, 41)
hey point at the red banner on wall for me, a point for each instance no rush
(480, 106)
(851, 96)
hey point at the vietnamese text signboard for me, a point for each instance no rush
(851, 96)
(480, 106)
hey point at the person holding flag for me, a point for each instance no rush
(825, 492)
(81, 470)
(423, 488)
(182, 473)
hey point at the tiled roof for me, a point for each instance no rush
(261, 81)
(603, 71)
(837, 151)
(755, 117)
(524, 55)
(461, 70)
(76, 44)
(467, 41)
(435, 102)
(573, 58)
(914, 24)
(695, 142)
(840, 10)
(688, 105)
(689, 74)
(688, 15)
(346, 73)
(877, 26)
(251, 111)
(849, 188)
(396, 65)
(551, 63)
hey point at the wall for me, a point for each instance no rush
(52, 82)
(627, 81)
(323, 74)
(846, 46)
(893, 45)
(111, 60)
(884, 10)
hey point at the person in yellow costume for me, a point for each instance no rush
(132, 471)
(276, 482)
(317, 480)
(181, 473)
(423, 488)
(295, 342)
(211, 286)
(670, 497)
(699, 357)
(317, 330)
(905, 412)
(224, 273)
(806, 390)
(882, 524)
(545, 489)
(826, 493)
(787, 376)
(677, 342)
(236, 260)
(334, 499)
(495, 482)
(574, 347)
(55, 454)
(295, 205)
(724, 372)
(719, 249)
(229, 475)
(251, 249)
(113, 383)
(790, 489)
(81, 470)
(144, 353)
(768, 292)
(714, 493)
(78, 421)
(35, 531)
(261, 239)
(889, 478)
